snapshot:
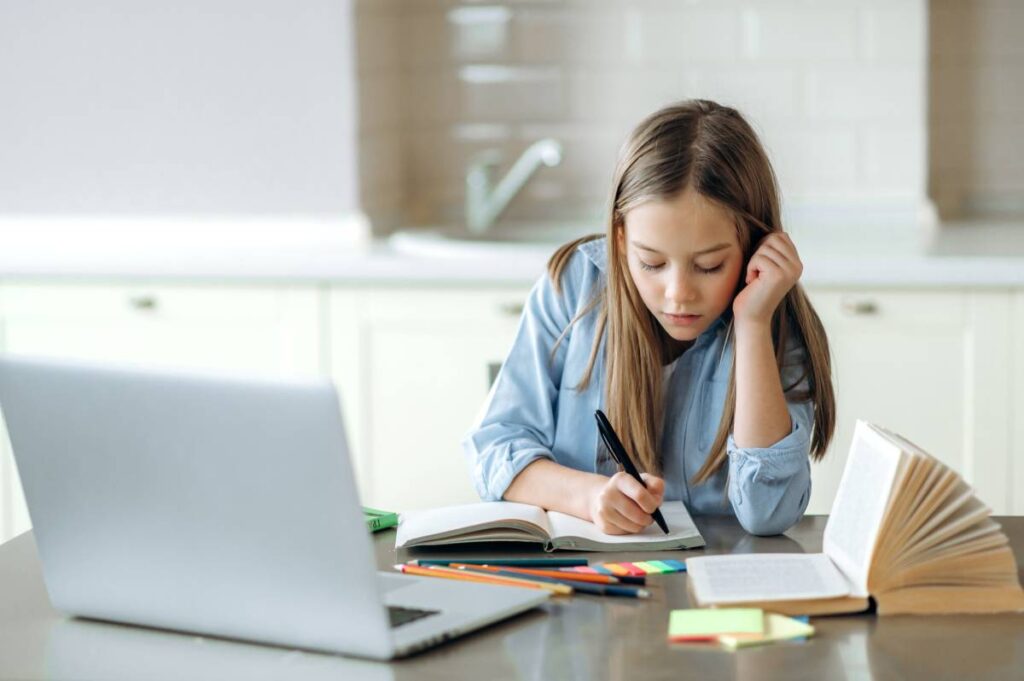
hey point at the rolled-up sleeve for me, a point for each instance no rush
(517, 423)
(769, 487)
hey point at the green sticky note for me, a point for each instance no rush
(777, 628)
(706, 624)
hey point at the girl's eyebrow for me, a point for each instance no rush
(712, 249)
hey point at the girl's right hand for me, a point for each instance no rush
(623, 506)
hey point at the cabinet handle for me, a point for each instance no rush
(860, 308)
(144, 303)
(511, 309)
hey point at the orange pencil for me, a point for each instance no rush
(447, 573)
(554, 574)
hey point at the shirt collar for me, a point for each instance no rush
(596, 252)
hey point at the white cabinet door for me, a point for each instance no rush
(254, 330)
(427, 358)
(273, 331)
(929, 365)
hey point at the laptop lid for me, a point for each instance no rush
(206, 504)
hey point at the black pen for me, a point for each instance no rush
(618, 452)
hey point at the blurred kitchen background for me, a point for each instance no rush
(367, 189)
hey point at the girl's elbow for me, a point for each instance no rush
(765, 526)
(759, 520)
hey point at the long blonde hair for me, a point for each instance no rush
(710, 148)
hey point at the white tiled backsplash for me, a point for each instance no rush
(976, 117)
(837, 91)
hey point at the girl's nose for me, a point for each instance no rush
(680, 289)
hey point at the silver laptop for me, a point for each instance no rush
(217, 506)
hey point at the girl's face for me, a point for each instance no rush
(685, 259)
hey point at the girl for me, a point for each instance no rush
(686, 325)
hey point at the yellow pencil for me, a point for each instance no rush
(448, 573)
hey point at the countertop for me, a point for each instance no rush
(583, 638)
(302, 250)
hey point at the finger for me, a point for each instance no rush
(772, 260)
(785, 245)
(790, 268)
(783, 251)
(613, 499)
(655, 485)
(636, 493)
(758, 263)
(615, 517)
(631, 512)
(604, 523)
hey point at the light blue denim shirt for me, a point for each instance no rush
(535, 411)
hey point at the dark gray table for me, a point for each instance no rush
(582, 639)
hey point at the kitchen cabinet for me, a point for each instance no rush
(426, 359)
(413, 365)
(930, 365)
(273, 331)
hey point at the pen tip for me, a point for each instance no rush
(643, 593)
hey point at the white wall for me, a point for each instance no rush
(196, 106)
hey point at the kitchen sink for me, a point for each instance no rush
(539, 239)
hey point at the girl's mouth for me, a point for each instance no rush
(681, 319)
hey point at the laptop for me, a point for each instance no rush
(219, 506)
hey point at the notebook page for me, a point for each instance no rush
(860, 503)
(449, 521)
(754, 577)
(680, 526)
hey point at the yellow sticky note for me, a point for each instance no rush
(701, 624)
(776, 628)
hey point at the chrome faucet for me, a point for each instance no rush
(484, 203)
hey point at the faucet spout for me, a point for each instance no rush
(484, 204)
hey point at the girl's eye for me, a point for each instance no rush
(709, 270)
(648, 266)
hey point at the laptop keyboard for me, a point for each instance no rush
(400, 616)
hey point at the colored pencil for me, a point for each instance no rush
(514, 562)
(559, 589)
(554, 574)
(623, 577)
(593, 589)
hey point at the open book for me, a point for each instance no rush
(904, 529)
(499, 521)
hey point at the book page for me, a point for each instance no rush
(861, 500)
(421, 527)
(682, 531)
(755, 577)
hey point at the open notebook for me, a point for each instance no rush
(904, 529)
(501, 521)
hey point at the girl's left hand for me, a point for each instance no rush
(772, 271)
